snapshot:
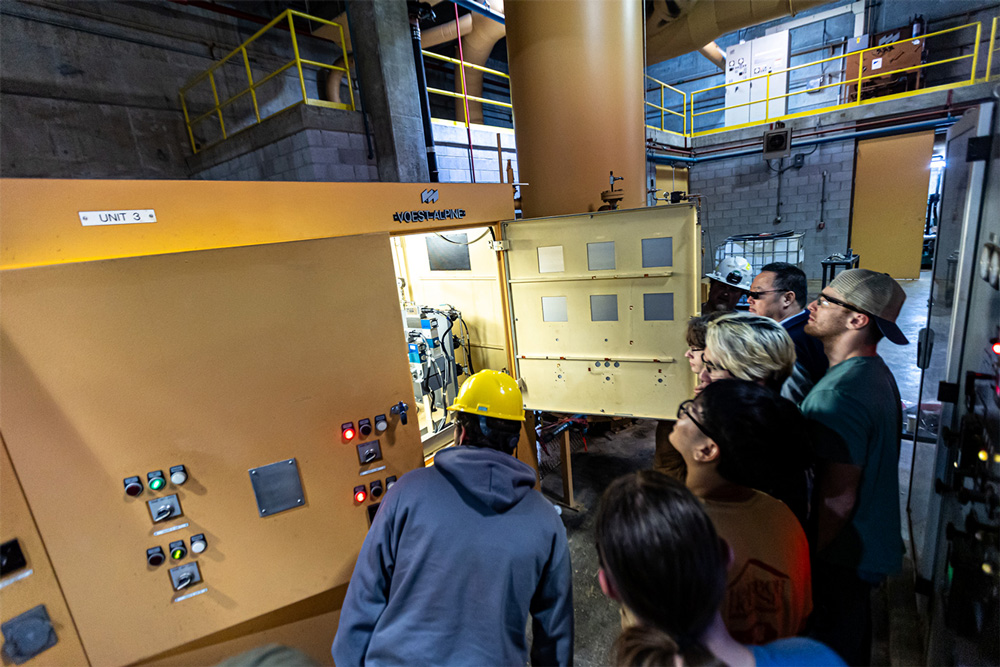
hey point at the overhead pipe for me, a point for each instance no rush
(847, 136)
(671, 33)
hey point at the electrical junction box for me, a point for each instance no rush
(756, 58)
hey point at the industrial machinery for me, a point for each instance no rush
(432, 337)
(227, 400)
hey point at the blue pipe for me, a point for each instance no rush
(864, 134)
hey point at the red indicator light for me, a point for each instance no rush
(347, 431)
(360, 496)
(996, 347)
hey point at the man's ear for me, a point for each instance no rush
(858, 321)
(607, 587)
(706, 452)
(787, 299)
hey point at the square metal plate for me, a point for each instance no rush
(277, 487)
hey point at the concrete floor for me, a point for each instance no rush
(897, 629)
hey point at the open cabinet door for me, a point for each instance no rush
(600, 304)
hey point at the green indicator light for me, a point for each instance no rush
(177, 554)
(156, 483)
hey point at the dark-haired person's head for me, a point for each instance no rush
(662, 559)
(489, 411)
(778, 291)
(751, 436)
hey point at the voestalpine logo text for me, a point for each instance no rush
(429, 197)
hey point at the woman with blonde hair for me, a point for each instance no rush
(747, 347)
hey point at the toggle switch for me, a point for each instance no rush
(380, 423)
(347, 431)
(360, 494)
(133, 486)
(178, 550)
(376, 489)
(400, 409)
(365, 427)
(198, 543)
(155, 556)
(155, 480)
(178, 475)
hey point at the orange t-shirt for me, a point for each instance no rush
(769, 590)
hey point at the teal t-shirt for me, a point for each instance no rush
(858, 403)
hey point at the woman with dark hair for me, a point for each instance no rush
(740, 441)
(662, 559)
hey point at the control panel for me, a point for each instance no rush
(747, 65)
(202, 366)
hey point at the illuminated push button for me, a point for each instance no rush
(376, 487)
(133, 486)
(198, 543)
(155, 480)
(155, 556)
(380, 423)
(365, 427)
(347, 431)
(389, 481)
(360, 494)
(178, 550)
(178, 475)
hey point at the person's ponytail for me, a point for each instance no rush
(645, 646)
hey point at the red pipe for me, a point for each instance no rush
(468, 128)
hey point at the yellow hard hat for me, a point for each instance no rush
(490, 394)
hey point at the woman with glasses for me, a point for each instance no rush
(665, 458)
(740, 440)
(663, 560)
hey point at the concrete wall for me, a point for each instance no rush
(452, 145)
(90, 89)
(740, 197)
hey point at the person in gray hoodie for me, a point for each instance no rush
(459, 554)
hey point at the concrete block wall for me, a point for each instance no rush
(90, 89)
(308, 155)
(451, 143)
(740, 196)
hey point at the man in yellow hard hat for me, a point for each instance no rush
(461, 553)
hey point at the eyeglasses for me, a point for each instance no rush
(826, 300)
(713, 367)
(695, 349)
(757, 295)
(685, 409)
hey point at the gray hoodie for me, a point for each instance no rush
(457, 557)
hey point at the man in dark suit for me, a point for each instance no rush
(779, 292)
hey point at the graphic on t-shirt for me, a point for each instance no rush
(755, 603)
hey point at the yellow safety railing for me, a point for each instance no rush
(993, 48)
(665, 111)
(857, 81)
(297, 62)
(460, 68)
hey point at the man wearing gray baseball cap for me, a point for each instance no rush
(856, 408)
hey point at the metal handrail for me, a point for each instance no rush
(251, 89)
(464, 95)
(857, 80)
(663, 109)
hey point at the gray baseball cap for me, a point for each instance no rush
(877, 294)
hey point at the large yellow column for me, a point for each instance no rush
(576, 71)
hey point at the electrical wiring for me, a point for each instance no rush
(489, 230)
